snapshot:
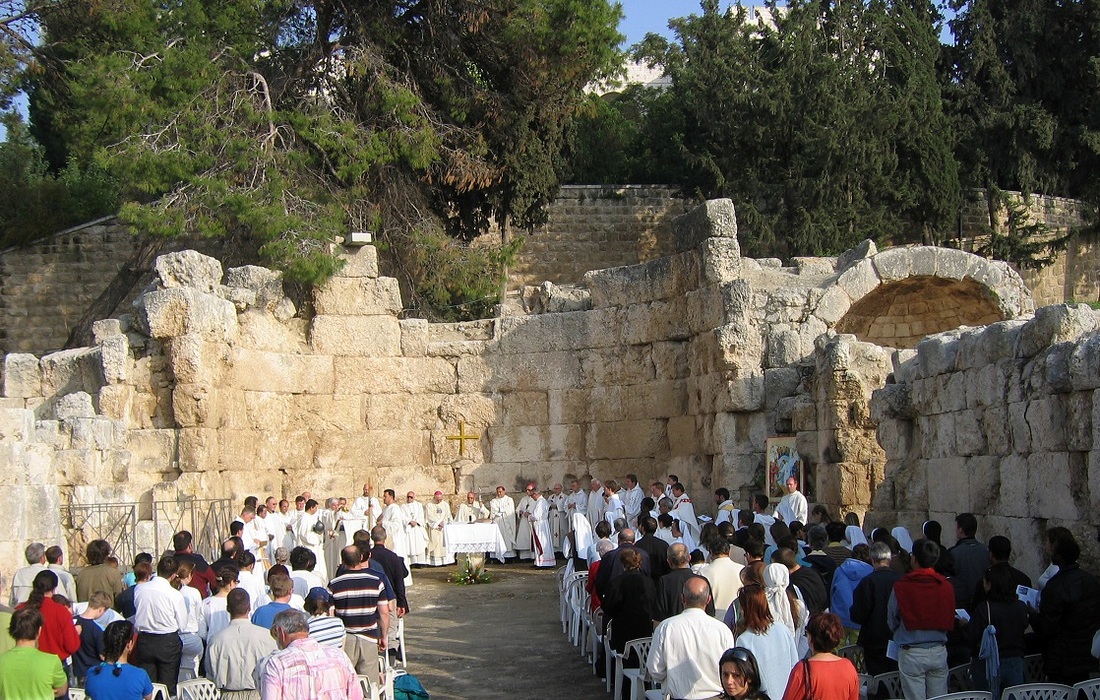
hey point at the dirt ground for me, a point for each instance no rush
(497, 640)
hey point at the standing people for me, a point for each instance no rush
(237, 649)
(824, 676)
(161, 615)
(27, 672)
(542, 542)
(870, 601)
(309, 532)
(23, 580)
(793, 505)
(415, 531)
(302, 668)
(687, 647)
(771, 642)
(1069, 612)
(116, 678)
(920, 613)
(98, 575)
(436, 515)
(502, 510)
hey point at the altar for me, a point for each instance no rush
(474, 538)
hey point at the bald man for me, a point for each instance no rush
(686, 647)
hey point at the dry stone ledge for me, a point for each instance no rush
(189, 268)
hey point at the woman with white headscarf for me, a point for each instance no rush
(905, 540)
(854, 536)
(784, 604)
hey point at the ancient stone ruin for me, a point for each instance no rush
(217, 386)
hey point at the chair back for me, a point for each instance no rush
(966, 695)
(197, 689)
(1091, 689)
(76, 694)
(160, 692)
(1033, 669)
(1038, 691)
(887, 685)
(958, 678)
(640, 647)
(854, 653)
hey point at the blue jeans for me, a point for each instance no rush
(923, 671)
(1012, 673)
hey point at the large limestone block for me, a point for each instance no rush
(260, 330)
(196, 405)
(374, 448)
(67, 371)
(910, 484)
(985, 386)
(414, 337)
(198, 449)
(321, 413)
(663, 278)
(16, 424)
(969, 433)
(574, 330)
(257, 370)
(1055, 324)
(565, 442)
(475, 409)
(738, 473)
(627, 439)
(605, 403)
(1084, 364)
(784, 347)
(359, 262)
(948, 484)
(1055, 480)
(721, 260)
(832, 306)
(743, 391)
(741, 346)
(529, 372)
(741, 433)
(95, 433)
(985, 483)
(243, 450)
(683, 435)
(195, 360)
(990, 344)
(356, 336)
(1019, 428)
(859, 279)
(937, 353)
(400, 375)
(268, 410)
(263, 285)
(616, 366)
(923, 261)
(526, 408)
(715, 218)
(151, 451)
(117, 363)
(997, 432)
(22, 376)
(659, 399)
(401, 411)
(567, 405)
(1047, 420)
(358, 296)
(779, 384)
(75, 405)
(188, 268)
(529, 443)
(893, 264)
(182, 311)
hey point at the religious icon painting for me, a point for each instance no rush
(783, 461)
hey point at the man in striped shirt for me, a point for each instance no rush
(360, 598)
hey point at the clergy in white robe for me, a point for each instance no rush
(793, 505)
(308, 535)
(541, 540)
(367, 507)
(631, 497)
(596, 503)
(613, 505)
(559, 524)
(254, 535)
(576, 502)
(727, 513)
(472, 510)
(523, 527)
(335, 537)
(394, 520)
(502, 510)
(436, 515)
(683, 510)
(415, 531)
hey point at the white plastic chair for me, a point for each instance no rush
(886, 685)
(958, 679)
(578, 601)
(966, 695)
(1033, 669)
(1091, 689)
(1039, 691)
(565, 609)
(197, 689)
(402, 658)
(854, 653)
(608, 658)
(76, 694)
(636, 676)
(160, 692)
(370, 690)
(595, 636)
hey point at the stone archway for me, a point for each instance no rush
(896, 297)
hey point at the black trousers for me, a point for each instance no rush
(159, 655)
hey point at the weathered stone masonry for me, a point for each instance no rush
(216, 386)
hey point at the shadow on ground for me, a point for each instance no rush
(497, 640)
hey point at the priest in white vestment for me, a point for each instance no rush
(793, 506)
(596, 503)
(559, 525)
(415, 531)
(631, 497)
(613, 505)
(576, 502)
(367, 507)
(727, 513)
(502, 510)
(394, 520)
(335, 537)
(309, 532)
(523, 527)
(472, 510)
(436, 515)
(541, 540)
(684, 511)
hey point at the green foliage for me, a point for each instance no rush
(469, 575)
(293, 123)
(35, 203)
(825, 129)
(1017, 239)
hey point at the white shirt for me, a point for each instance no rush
(305, 580)
(776, 654)
(367, 507)
(793, 507)
(257, 591)
(576, 502)
(160, 608)
(196, 621)
(632, 501)
(685, 652)
(724, 576)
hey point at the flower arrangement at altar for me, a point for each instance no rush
(469, 575)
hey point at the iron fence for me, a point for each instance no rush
(114, 522)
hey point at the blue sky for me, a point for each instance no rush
(643, 16)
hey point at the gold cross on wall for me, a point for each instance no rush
(462, 437)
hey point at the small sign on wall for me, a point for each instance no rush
(783, 461)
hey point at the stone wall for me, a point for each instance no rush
(592, 227)
(1074, 276)
(1002, 421)
(217, 385)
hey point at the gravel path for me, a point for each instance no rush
(497, 640)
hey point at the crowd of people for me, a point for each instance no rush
(276, 615)
(755, 602)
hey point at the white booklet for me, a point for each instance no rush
(1028, 595)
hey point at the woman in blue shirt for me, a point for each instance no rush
(114, 679)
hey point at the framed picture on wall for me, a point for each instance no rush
(783, 461)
